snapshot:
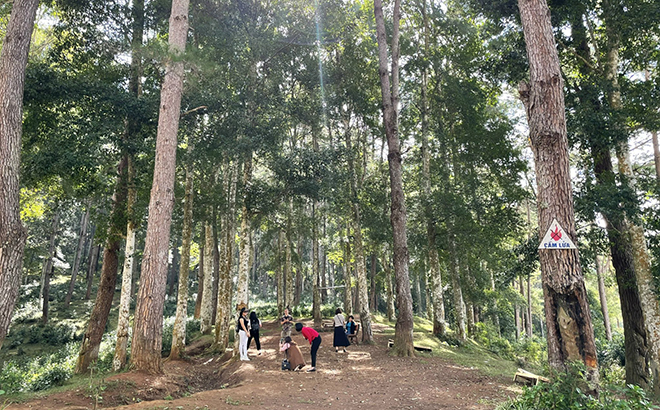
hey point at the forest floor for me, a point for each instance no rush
(366, 377)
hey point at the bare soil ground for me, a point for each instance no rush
(365, 378)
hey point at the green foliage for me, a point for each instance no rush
(612, 359)
(40, 373)
(192, 326)
(570, 391)
(527, 351)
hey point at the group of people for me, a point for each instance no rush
(248, 329)
(340, 339)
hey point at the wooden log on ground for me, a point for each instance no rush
(528, 378)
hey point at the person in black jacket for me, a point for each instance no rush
(255, 325)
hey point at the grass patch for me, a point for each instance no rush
(471, 355)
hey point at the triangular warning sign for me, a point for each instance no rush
(556, 238)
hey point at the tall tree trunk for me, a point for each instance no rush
(636, 338)
(119, 360)
(45, 294)
(299, 283)
(280, 274)
(469, 307)
(216, 269)
(200, 275)
(601, 270)
(76, 259)
(641, 258)
(13, 60)
(242, 289)
(390, 288)
(523, 309)
(288, 267)
(636, 344)
(224, 316)
(91, 267)
(348, 293)
(89, 348)
(570, 334)
(174, 269)
(373, 303)
(179, 329)
(360, 265)
(457, 289)
(656, 155)
(207, 297)
(529, 322)
(324, 264)
(403, 336)
(147, 336)
(496, 316)
(47, 270)
(316, 277)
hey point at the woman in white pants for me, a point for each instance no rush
(243, 334)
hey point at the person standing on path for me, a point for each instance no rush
(340, 339)
(287, 323)
(255, 325)
(314, 339)
(243, 334)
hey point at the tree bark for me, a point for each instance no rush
(457, 290)
(47, 270)
(223, 317)
(89, 348)
(403, 336)
(207, 297)
(179, 329)
(601, 270)
(91, 267)
(529, 322)
(147, 340)
(373, 303)
(216, 269)
(13, 60)
(76, 260)
(348, 293)
(200, 276)
(390, 289)
(242, 287)
(569, 334)
(119, 360)
(172, 278)
(280, 274)
(288, 267)
(316, 277)
(360, 265)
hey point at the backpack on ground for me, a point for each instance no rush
(286, 365)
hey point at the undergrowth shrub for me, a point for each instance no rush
(192, 326)
(612, 359)
(569, 391)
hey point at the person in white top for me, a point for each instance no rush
(340, 339)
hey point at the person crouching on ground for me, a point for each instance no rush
(340, 339)
(243, 334)
(293, 354)
(314, 339)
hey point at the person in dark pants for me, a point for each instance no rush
(314, 339)
(255, 325)
(340, 339)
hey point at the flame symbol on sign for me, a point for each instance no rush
(556, 234)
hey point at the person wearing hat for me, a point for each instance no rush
(242, 327)
(314, 339)
(287, 322)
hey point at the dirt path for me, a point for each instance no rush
(365, 378)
